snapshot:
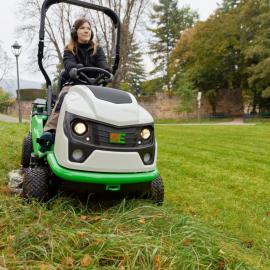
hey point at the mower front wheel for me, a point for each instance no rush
(36, 184)
(157, 191)
(27, 149)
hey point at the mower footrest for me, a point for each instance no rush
(113, 187)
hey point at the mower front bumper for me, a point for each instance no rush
(97, 177)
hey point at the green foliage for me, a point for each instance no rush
(228, 51)
(228, 5)
(169, 21)
(124, 87)
(257, 52)
(187, 93)
(55, 79)
(150, 87)
(215, 63)
(6, 100)
(135, 71)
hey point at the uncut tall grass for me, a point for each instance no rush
(215, 216)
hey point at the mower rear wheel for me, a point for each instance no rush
(157, 191)
(27, 149)
(36, 183)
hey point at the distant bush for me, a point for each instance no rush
(150, 87)
(6, 100)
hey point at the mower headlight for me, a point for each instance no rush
(77, 154)
(146, 157)
(145, 133)
(79, 128)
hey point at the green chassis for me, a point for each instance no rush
(112, 181)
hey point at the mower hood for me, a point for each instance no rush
(106, 105)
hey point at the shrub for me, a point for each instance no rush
(6, 100)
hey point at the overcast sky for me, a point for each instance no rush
(8, 24)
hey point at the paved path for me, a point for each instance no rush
(11, 119)
(235, 122)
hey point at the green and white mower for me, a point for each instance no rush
(104, 141)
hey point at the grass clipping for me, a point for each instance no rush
(66, 234)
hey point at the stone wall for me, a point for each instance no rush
(230, 102)
(162, 106)
(26, 108)
(28, 95)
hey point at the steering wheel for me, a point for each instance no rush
(84, 74)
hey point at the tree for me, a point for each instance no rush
(6, 100)
(228, 51)
(255, 20)
(5, 62)
(181, 59)
(135, 72)
(58, 23)
(187, 93)
(228, 5)
(130, 12)
(169, 21)
(210, 54)
(150, 87)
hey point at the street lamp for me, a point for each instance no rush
(199, 100)
(16, 50)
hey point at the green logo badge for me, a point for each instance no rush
(118, 138)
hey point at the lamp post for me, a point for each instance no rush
(16, 50)
(199, 99)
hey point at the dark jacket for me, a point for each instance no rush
(84, 56)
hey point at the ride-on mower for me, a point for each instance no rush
(104, 141)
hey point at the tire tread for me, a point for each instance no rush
(157, 191)
(36, 184)
(27, 149)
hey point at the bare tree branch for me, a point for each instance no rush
(59, 23)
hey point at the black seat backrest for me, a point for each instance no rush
(61, 82)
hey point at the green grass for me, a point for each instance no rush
(193, 120)
(216, 213)
(220, 175)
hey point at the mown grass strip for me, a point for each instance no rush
(220, 175)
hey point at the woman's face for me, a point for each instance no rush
(84, 33)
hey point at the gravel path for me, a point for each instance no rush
(11, 119)
(235, 122)
(210, 124)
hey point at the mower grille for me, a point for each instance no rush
(101, 135)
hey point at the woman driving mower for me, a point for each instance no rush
(104, 140)
(81, 51)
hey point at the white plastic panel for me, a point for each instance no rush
(81, 101)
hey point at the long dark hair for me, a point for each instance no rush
(73, 43)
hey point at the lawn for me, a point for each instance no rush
(220, 175)
(216, 213)
(194, 120)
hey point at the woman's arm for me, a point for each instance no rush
(69, 61)
(101, 61)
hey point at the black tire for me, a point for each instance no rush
(36, 183)
(27, 149)
(157, 191)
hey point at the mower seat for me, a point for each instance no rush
(60, 84)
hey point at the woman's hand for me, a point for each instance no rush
(73, 74)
